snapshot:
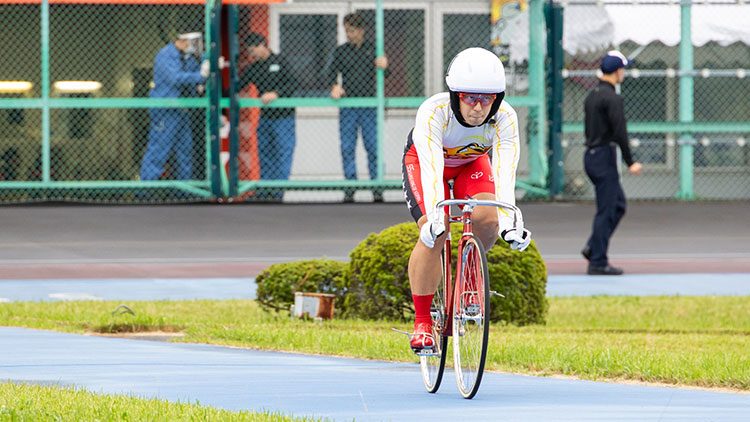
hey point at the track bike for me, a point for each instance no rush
(461, 307)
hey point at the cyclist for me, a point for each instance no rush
(469, 135)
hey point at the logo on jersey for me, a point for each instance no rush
(473, 150)
(477, 175)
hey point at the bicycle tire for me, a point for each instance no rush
(433, 366)
(471, 310)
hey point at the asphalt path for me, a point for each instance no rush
(240, 240)
(337, 388)
(52, 252)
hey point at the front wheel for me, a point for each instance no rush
(471, 311)
(433, 365)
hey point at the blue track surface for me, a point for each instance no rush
(337, 388)
(244, 288)
(127, 289)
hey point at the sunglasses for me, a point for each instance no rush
(473, 99)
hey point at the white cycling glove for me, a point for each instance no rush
(430, 231)
(515, 240)
(205, 68)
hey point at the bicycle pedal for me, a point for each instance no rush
(426, 352)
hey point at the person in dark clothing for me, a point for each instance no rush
(606, 129)
(273, 77)
(356, 62)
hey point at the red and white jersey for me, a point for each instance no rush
(441, 141)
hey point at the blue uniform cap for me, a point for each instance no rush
(613, 61)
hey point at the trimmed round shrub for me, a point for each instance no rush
(278, 283)
(378, 284)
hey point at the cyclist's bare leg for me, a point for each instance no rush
(425, 269)
(484, 219)
(425, 273)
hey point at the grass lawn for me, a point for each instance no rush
(20, 402)
(697, 341)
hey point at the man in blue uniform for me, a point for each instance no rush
(605, 131)
(176, 68)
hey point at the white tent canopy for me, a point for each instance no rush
(588, 28)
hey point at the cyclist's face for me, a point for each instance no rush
(475, 114)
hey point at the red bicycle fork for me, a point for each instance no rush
(449, 287)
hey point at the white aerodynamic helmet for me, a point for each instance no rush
(476, 70)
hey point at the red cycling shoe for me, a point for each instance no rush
(422, 337)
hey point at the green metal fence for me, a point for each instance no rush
(684, 94)
(75, 98)
(86, 142)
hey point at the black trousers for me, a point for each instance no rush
(601, 167)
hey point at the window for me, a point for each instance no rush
(307, 41)
(404, 45)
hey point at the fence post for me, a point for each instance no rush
(234, 108)
(214, 94)
(380, 89)
(45, 93)
(554, 109)
(686, 141)
(538, 118)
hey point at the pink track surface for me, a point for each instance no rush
(243, 270)
(658, 266)
(98, 271)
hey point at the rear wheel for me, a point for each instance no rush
(433, 365)
(471, 310)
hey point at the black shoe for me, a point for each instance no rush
(586, 252)
(605, 270)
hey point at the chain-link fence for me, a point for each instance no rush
(684, 94)
(88, 115)
(331, 147)
(75, 98)
(105, 105)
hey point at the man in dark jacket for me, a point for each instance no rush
(605, 130)
(356, 62)
(273, 77)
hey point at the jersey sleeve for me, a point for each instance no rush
(505, 157)
(428, 142)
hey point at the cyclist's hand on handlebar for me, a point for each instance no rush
(515, 240)
(430, 231)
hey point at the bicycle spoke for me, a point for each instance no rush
(470, 328)
(433, 365)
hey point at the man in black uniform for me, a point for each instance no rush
(356, 62)
(273, 77)
(605, 129)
